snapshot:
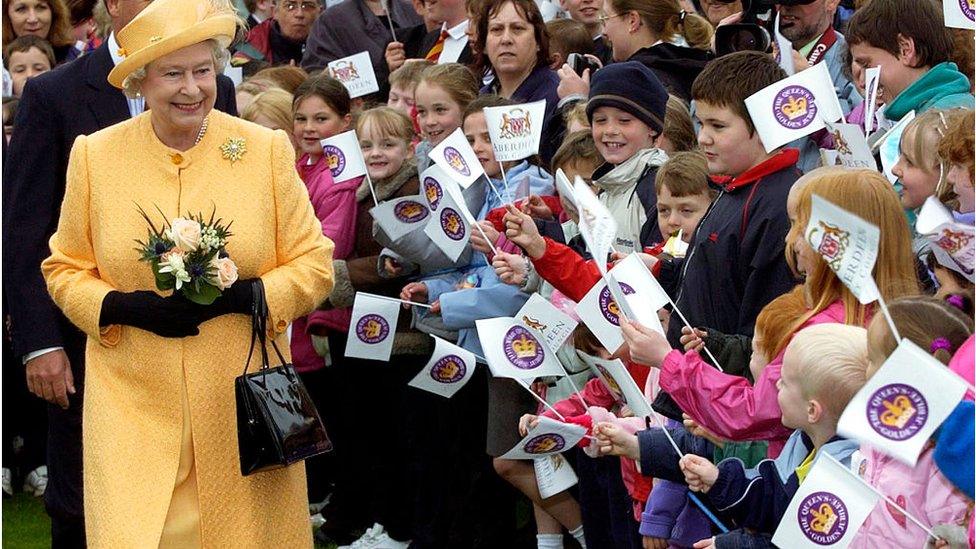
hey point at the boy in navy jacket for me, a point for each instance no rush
(736, 263)
(824, 366)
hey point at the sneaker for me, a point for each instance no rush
(317, 520)
(8, 485)
(384, 541)
(36, 482)
(367, 541)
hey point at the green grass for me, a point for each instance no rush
(25, 524)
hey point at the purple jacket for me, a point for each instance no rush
(670, 515)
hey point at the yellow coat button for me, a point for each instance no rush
(177, 158)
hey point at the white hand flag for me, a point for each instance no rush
(449, 369)
(449, 227)
(903, 403)
(434, 184)
(554, 325)
(617, 380)
(458, 160)
(848, 244)
(372, 328)
(827, 509)
(515, 130)
(356, 74)
(401, 216)
(515, 350)
(851, 146)
(548, 437)
(794, 107)
(553, 475)
(959, 14)
(596, 224)
(344, 156)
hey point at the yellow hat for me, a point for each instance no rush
(169, 25)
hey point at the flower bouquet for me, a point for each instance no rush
(188, 255)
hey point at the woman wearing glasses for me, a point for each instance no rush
(658, 33)
(280, 40)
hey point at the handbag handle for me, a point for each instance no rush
(259, 327)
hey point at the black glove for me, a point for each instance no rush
(163, 316)
(237, 299)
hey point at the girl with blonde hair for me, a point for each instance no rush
(271, 109)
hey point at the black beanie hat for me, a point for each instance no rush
(629, 86)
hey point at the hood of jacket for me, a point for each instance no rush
(623, 177)
(385, 188)
(681, 64)
(942, 86)
(522, 176)
(799, 446)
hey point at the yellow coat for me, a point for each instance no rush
(133, 415)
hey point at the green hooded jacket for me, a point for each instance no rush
(943, 87)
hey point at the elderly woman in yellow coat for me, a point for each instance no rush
(161, 465)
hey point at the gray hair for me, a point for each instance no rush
(132, 85)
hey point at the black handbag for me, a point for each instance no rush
(277, 423)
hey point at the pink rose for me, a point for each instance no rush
(226, 272)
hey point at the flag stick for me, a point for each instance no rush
(540, 399)
(691, 495)
(508, 190)
(488, 240)
(686, 323)
(389, 19)
(495, 190)
(901, 509)
(372, 191)
(887, 315)
(572, 383)
(397, 300)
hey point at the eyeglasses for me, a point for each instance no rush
(603, 18)
(306, 6)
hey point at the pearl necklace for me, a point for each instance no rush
(203, 130)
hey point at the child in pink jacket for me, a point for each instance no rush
(321, 109)
(922, 490)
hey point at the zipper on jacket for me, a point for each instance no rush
(684, 268)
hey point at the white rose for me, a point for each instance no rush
(185, 233)
(172, 262)
(226, 272)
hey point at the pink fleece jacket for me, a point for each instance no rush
(920, 490)
(727, 405)
(335, 206)
(600, 401)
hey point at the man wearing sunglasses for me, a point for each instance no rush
(807, 24)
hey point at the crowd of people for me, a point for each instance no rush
(119, 399)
